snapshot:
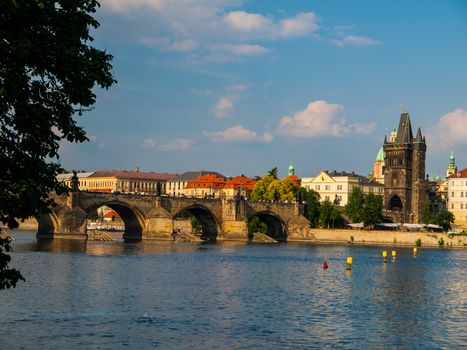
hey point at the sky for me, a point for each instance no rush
(240, 87)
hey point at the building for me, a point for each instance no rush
(337, 186)
(378, 167)
(128, 181)
(406, 189)
(457, 197)
(292, 177)
(82, 179)
(238, 186)
(204, 186)
(176, 185)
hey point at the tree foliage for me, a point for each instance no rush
(312, 203)
(48, 70)
(8, 277)
(444, 218)
(329, 215)
(256, 225)
(372, 209)
(354, 207)
(271, 189)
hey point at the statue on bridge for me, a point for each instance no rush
(74, 184)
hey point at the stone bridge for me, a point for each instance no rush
(156, 217)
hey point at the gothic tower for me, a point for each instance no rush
(405, 186)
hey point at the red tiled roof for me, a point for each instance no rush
(296, 181)
(206, 181)
(133, 175)
(245, 182)
(461, 173)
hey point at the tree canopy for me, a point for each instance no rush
(271, 189)
(48, 70)
(354, 207)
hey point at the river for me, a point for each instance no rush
(113, 295)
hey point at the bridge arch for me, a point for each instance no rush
(277, 229)
(395, 203)
(209, 225)
(133, 218)
(47, 224)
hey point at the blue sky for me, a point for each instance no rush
(243, 86)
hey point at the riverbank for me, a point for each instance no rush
(375, 237)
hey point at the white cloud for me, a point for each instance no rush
(247, 22)
(239, 134)
(449, 131)
(223, 107)
(355, 40)
(205, 28)
(302, 24)
(165, 44)
(149, 143)
(319, 119)
(177, 145)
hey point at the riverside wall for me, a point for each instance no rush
(374, 237)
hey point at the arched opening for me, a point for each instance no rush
(198, 221)
(46, 225)
(276, 229)
(114, 220)
(395, 203)
(388, 220)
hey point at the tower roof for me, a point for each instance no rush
(404, 133)
(380, 156)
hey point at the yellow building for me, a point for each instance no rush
(337, 186)
(128, 181)
(176, 185)
(457, 198)
(82, 179)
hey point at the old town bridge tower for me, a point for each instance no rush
(405, 186)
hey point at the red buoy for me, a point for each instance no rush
(325, 264)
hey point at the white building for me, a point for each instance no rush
(457, 197)
(337, 186)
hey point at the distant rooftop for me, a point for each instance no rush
(191, 175)
(134, 175)
(70, 175)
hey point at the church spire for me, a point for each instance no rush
(404, 133)
(419, 137)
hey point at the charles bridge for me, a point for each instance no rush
(156, 217)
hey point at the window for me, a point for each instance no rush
(452, 194)
(327, 187)
(339, 187)
(452, 206)
(462, 194)
(326, 198)
(317, 187)
(462, 205)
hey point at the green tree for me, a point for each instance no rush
(94, 216)
(427, 216)
(312, 203)
(354, 207)
(288, 191)
(261, 187)
(196, 227)
(256, 225)
(329, 215)
(48, 71)
(372, 210)
(273, 172)
(444, 218)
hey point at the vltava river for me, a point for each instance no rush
(113, 295)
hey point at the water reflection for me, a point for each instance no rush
(177, 295)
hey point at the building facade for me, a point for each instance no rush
(83, 182)
(128, 181)
(457, 198)
(337, 186)
(176, 185)
(406, 189)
